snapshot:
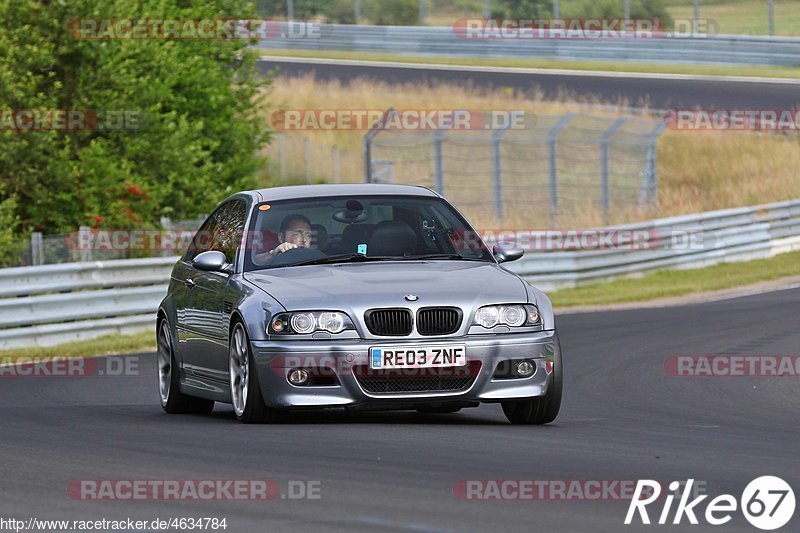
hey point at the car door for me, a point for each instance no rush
(184, 277)
(209, 345)
(203, 337)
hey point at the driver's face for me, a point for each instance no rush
(298, 233)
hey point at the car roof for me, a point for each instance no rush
(339, 189)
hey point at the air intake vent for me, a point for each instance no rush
(438, 320)
(227, 307)
(408, 380)
(388, 322)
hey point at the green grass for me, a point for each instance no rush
(106, 345)
(610, 66)
(743, 17)
(679, 282)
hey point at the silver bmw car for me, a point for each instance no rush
(369, 296)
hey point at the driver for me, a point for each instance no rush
(295, 232)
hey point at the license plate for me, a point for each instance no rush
(426, 356)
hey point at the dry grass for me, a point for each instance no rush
(697, 171)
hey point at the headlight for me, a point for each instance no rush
(508, 315)
(332, 322)
(487, 317)
(305, 322)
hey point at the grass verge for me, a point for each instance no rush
(106, 345)
(608, 66)
(667, 283)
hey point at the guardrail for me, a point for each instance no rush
(424, 40)
(52, 304)
(689, 241)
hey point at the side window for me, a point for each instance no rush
(231, 229)
(203, 240)
(222, 231)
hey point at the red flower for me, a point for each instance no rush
(133, 189)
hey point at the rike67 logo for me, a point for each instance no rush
(767, 503)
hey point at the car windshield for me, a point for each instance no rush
(357, 229)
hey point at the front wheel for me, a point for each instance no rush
(544, 409)
(172, 399)
(248, 402)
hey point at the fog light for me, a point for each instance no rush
(525, 369)
(298, 376)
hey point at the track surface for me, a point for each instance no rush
(654, 92)
(622, 418)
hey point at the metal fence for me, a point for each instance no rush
(88, 244)
(557, 165)
(422, 41)
(52, 304)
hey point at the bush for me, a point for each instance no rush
(11, 243)
(640, 9)
(196, 102)
(392, 12)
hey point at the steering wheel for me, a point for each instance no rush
(297, 255)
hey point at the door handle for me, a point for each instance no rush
(189, 282)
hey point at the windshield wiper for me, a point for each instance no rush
(343, 258)
(443, 256)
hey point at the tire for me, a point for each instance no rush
(172, 399)
(544, 409)
(248, 402)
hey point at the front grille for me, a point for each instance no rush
(397, 381)
(389, 322)
(438, 320)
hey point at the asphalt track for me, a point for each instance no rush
(659, 92)
(623, 418)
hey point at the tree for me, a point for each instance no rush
(192, 129)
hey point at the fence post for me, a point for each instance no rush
(37, 249)
(552, 139)
(84, 235)
(307, 151)
(335, 162)
(649, 192)
(367, 144)
(497, 174)
(282, 156)
(438, 169)
(604, 142)
(771, 19)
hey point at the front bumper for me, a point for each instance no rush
(342, 360)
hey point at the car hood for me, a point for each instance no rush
(359, 286)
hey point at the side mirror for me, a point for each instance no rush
(506, 254)
(211, 261)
